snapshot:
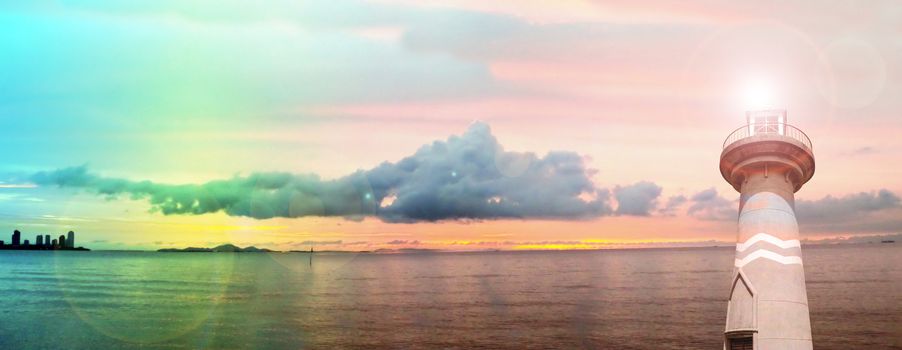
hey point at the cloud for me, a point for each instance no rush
(673, 203)
(465, 177)
(856, 239)
(637, 199)
(708, 205)
(335, 242)
(852, 206)
(245, 61)
(862, 151)
(864, 212)
(402, 241)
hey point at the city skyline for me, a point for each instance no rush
(41, 242)
(125, 116)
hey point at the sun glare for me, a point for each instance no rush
(758, 94)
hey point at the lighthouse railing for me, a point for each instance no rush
(787, 130)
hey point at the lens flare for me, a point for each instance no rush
(758, 94)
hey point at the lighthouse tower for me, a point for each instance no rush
(767, 161)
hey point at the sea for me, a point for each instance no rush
(602, 299)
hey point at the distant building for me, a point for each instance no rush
(41, 242)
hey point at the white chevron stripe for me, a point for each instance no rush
(789, 243)
(767, 254)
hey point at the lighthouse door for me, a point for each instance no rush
(744, 343)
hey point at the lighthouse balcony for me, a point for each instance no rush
(757, 147)
(766, 132)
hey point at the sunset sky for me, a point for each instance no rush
(359, 125)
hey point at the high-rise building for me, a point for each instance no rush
(55, 244)
(39, 241)
(70, 239)
(47, 241)
(16, 237)
(767, 161)
(62, 241)
(25, 243)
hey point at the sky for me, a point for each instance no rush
(363, 125)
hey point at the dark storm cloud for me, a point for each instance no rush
(465, 177)
(637, 199)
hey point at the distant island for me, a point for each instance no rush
(42, 242)
(225, 248)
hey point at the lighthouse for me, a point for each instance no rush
(767, 161)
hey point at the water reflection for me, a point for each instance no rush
(610, 299)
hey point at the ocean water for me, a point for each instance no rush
(614, 299)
